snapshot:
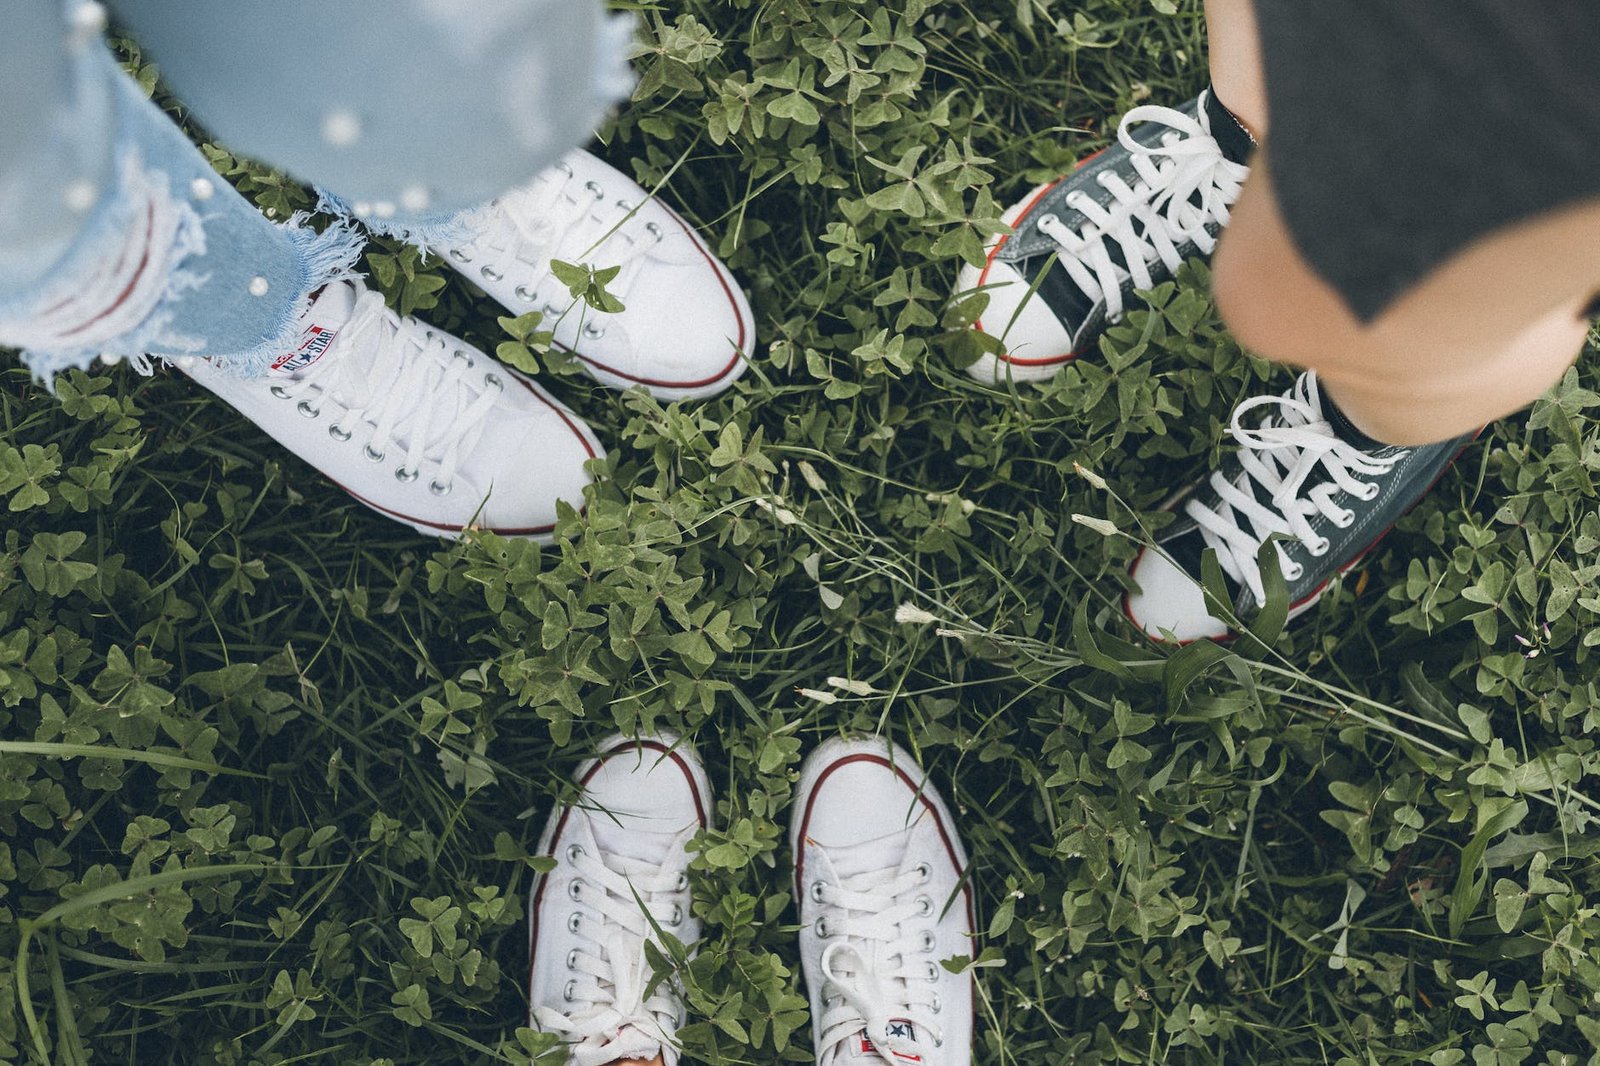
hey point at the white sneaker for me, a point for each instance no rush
(878, 869)
(686, 326)
(624, 842)
(416, 424)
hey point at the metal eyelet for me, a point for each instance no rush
(936, 1005)
(572, 959)
(925, 906)
(564, 167)
(279, 392)
(938, 1041)
(459, 354)
(575, 852)
(599, 193)
(494, 382)
(440, 490)
(816, 891)
(566, 993)
(575, 890)
(655, 231)
(574, 922)
(928, 942)
(933, 973)
(627, 205)
(404, 476)
(305, 408)
(677, 917)
(523, 293)
(339, 433)
(820, 927)
(682, 884)
(490, 273)
(372, 456)
(924, 872)
(592, 331)
(459, 256)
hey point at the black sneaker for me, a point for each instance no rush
(1125, 219)
(1294, 474)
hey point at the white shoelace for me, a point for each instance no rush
(865, 916)
(554, 217)
(607, 991)
(416, 391)
(1149, 219)
(1280, 455)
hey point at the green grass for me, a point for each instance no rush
(240, 715)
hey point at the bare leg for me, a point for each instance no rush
(1236, 62)
(1482, 336)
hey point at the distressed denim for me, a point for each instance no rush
(117, 238)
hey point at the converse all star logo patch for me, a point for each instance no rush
(899, 1029)
(314, 344)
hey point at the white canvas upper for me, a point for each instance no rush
(624, 841)
(878, 872)
(413, 422)
(686, 326)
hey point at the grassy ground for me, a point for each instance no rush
(270, 767)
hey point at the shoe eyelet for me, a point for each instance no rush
(592, 331)
(459, 256)
(574, 922)
(1347, 521)
(305, 408)
(933, 973)
(1372, 491)
(372, 456)
(938, 1041)
(627, 205)
(816, 891)
(682, 884)
(575, 890)
(494, 382)
(459, 354)
(567, 992)
(928, 941)
(564, 167)
(1320, 548)
(924, 906)
(572, 959)
(595, 189)
(820, 927)
(575, 852)
(924, 872)
(490, 273)
(279, 392)
(936, 1006)
(404, 476)
(1294, 573)
(440, 490)
(655, 231)
(550, 311)
(677, 917)
(525, 294)
(339, 433)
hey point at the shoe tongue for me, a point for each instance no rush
(319, 327)
(862, 1050)
(884, 853)
(632, 842)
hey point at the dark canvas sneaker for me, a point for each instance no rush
(621, 872)
(879, 872)
(1297, 473)
(1126, 219)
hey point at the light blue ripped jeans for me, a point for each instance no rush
(117, 238)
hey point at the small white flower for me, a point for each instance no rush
(809, 475)
(911, 614)
(784, 516)
(1099, 525)
(819, 696)
(858, 688)
(1089, 475)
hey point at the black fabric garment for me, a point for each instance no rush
(1403, 130)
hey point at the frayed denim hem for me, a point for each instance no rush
(428, 233)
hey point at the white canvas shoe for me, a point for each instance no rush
(686, 327)
(878, 872)
(416, 424)
(624, 842)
